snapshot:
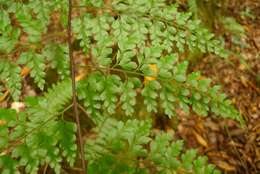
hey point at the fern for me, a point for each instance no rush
(33, 28)
(110, 89)
(7, 118)
(10, 76)
(127, 140)
(134, 62)
(133, 49)
(128, 97)
(35, 62)
(51, 104)
(66, 137)
(9, 165)
(88, 91)
(117, 140)
(9, 35)
(57, 56)
(150, 94)
(45, 139)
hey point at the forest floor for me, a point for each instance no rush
(232, 148)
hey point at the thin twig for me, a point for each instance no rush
(45, 168)
(82, 109)
(74, 94)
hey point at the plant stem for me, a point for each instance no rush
(74, 93)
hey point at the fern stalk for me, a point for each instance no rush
(74, 94)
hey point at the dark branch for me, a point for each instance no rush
(74, 93)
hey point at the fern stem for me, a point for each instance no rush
(73, 79)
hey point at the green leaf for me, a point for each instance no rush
(10, 75)
(188, 158)
(67, 140)
(33, 27)
(8, 165)
(58, 57)
(180, 72)
(150, 95)
(125, 60)
(128, 97)
(36, 63)
(112, 86)
(89, 91)
(167, 99)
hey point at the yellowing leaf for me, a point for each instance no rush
(154, 68)
(225, 166)
(2, 122)
(25, 71)
(80, 76)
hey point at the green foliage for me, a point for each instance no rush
(9, 165)
(132, 62)
(30, 20)
(42, 137)
(120, 148)
(89, 91)
(136, 24)
(128, 97)
(236, 30)
(123, 39)
(35, 62)
(10, 76)
(210, 12)
(214, 12)
(230, 24)
(57, 56)
(150, 94)
(8, 118)
(9, 35)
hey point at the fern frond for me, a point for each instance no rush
(8, 35)
(118, 140)
(128, 97)
(10, 76)
(111, 87)
(120, 147)
(51, 103)
(36, 63)
(8, 165)
(8, 120)
(45, 139)
(57, 55)
(67, 138)
(150, 95)
(89, 92)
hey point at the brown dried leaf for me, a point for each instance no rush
(200, 139)
(218, 154)
(2, 98)
(224, 165)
